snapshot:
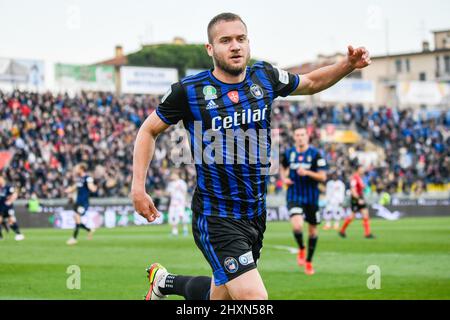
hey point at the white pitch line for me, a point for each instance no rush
(284, 248)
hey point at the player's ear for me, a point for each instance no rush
(209, 49)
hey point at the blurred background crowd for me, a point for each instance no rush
(47, 134)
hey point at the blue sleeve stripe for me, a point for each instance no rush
(164, 119)
(296, 83)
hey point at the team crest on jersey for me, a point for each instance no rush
(231, 265)
(256, 91)
(234, 96)
(209, 92)
(308, 159)
(292, 157)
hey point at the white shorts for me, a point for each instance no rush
(177, 214)
(335, 212)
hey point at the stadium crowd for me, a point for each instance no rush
(49, 133)
(415, 151)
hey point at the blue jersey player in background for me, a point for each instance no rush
(303, 169)
(229, 203)
(83, 187)
(8, 194)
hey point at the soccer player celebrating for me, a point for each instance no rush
(177, 191)
(335, 196)
(84, 186)
(358, 204)
(229, 208)
(303, 169)
(8, 195)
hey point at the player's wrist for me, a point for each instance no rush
(348, 65)
(137, 192)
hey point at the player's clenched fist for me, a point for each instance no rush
(358, 57)
(143, 204)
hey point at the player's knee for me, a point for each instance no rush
(251, 294)
(313, 232)
(297, 229)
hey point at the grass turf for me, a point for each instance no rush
(413, 255)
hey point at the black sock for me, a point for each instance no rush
(299, 237)
(1, 234)
(15, 228)
(75, 232)
(191, 288)
(311, 247)
(84, 227)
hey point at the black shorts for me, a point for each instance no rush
(7, 212)
(80, 209)
(310, 212)
(356, 207)
(231, 246)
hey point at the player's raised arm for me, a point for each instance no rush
(323, 78)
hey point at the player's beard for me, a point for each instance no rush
(226, 67)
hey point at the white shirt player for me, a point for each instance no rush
(177, 190)
(335, 192)
(335, 197)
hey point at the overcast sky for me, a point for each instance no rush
(286, 32)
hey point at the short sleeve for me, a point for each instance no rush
(11, 190)
(89, 179)
(174, 105)
(283, 82)
(321, 163)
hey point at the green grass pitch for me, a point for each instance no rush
(413, 255)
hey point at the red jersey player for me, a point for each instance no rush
(358, 204)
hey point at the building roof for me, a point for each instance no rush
(439, 31)
(117, 61)
(418, 53)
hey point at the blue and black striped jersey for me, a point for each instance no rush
(5, 192)
(83, 191)
(305, 190)
(231, 182)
